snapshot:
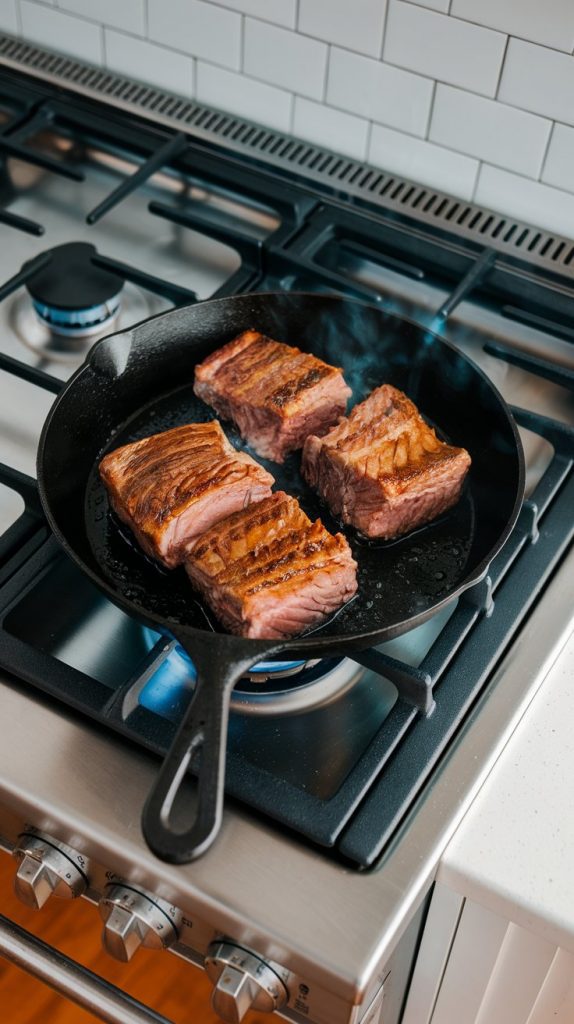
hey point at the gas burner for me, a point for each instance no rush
(71, 295)
(71, 349)
(74, 303)
(318, 684)
(272, 687)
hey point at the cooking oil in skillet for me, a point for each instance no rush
(396, 580)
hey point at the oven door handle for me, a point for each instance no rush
(71, 980)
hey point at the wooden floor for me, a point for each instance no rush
(178, 990)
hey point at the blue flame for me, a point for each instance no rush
(167, 692)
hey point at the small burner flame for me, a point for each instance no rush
(79, 323)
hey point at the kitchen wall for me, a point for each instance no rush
(475, 97)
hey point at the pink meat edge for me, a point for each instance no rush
(401, 516)
(206, 516)
(260, 619)
(272, 436)
(297, 611)
(183, 532)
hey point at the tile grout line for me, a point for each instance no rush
(431, 111)
(81, 19)
(525, 178)
(326, 75)
(223, 6)
(476, 181)
(368, 141)
(500, 73)
(489, 28)
(546, 152)
(385, 22)
(292, 115)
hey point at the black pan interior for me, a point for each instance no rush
(140, 382)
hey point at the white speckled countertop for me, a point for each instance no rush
(514, 850)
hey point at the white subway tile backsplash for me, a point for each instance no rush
(423, 162)
(284, 58)
(8, 16)
(62, 32)
(241, 95)
(356, 24)
(198, 28)
(127, 14)
(442, 47)
(559, 164)
(331, 128)
(378, 91)
(281, 12)
(489, 130)
(538, 79)
(448, 71)
(138, 58)
(525, 199)
(549, 22)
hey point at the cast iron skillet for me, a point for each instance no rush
(140, 381)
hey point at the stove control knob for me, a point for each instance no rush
(135, 918)
(47, 866)
(243, 981)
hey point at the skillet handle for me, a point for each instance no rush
(220, 662)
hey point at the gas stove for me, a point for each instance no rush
(116, 205)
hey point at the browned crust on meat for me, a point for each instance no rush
(163, 473)
(292, 390)
(244, 364)
(284, 552)
(153, 481)
(245, 531)
(381, 454)
(271, 390)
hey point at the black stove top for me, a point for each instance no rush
(339, 752)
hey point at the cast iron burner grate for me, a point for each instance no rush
(351, 800)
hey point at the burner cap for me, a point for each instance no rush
(71, 281)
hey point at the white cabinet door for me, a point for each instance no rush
(476, 967)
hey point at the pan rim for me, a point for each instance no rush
(308, 643)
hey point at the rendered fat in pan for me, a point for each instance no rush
(140, 381)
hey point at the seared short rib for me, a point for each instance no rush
(276, 394)
(383, 469)
(269, 572)
(171, 487)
